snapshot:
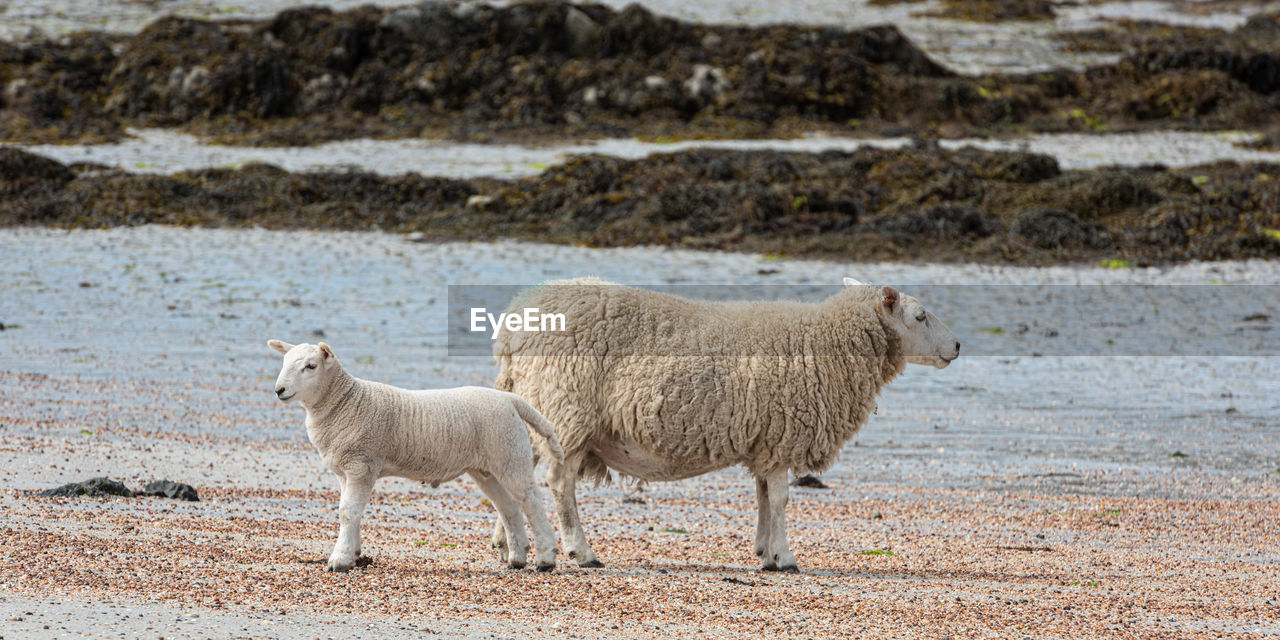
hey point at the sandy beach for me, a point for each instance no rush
(1085, 192)
(1006, 496)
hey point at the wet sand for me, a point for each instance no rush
(162, 151)
(1045, 497)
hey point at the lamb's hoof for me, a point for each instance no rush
(591, 564)
(791, 568)
(770, 567)
(333, 568)
(547, 568)
(515, 565)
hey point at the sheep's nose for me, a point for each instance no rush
(957, 347)
(279, 391)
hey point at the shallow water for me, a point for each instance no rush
(163, 152)
(162, 330)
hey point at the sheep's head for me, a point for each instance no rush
(306, 367)
(925, 339)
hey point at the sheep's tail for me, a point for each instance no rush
(540, 424)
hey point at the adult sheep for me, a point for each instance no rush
(662, 388)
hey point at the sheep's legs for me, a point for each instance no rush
(763, 524)
(355, 495)
(509, 518)
(563, 479)
(780, 558)
(499, 539)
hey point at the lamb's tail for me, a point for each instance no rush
(540, 424)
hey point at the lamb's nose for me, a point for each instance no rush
(279, 392)
(957, 347)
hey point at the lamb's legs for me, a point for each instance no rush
(509, 518)
(356, 488)
(763, 524)
(342, 489)
(527, 495)
(780, 555)
(563, 478)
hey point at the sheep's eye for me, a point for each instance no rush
(310, 367)
(920, 318)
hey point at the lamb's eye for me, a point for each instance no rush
(310, 367)
(920, 318)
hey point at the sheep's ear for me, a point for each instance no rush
(282, 347)
(325, 351)
(850, 282)
(890, 300)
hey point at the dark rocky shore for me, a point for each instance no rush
(555, 70)
(921, 203)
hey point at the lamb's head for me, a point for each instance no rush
(306, 370)
(925, 339)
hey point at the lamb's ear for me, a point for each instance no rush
(325, 351)
(282, 347)
(850, 282)
(890, 300)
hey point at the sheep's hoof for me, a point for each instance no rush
(333, 568)
(547, 568)
(770, 567)
(515, 565)
(591, 564)
(791, 568)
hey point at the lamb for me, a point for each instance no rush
(661, 388)
(367, 430)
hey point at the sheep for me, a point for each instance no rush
(367, 430)
(661, 388)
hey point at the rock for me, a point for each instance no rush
(1048, 228)
(1262, 26)
(653, 83)
(635, 30)
(324, 92)
(582, 33)
(479, 202)
(809, 481)
(943, 221)
(1100, 195)
(16, 165)
(1021, 166)
(884, 44)
(170, 489)
(195, 82)
(706, 84)
(93, 488)
(420, 20)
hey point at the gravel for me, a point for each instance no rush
(1004, 496)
